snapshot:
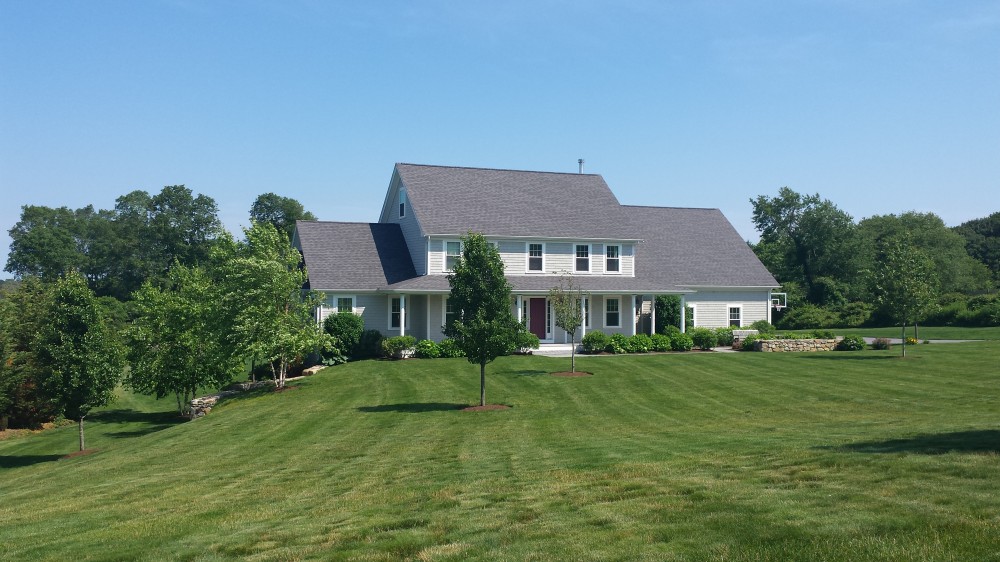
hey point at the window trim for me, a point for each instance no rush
(406, 318)
(527, 258)
(334, 304)
(590, 258)
(608, 300)
(444, 313)
(444, 248)
(729, 314)
(619, 258)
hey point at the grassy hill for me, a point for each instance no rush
(670, 457)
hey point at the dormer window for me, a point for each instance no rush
(402, 203)
(582, 257)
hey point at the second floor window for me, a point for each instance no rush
(535, 257)
(453, 251)
(612, 259)
(582, 257)
(402, 203)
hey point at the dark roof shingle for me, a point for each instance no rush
(453, 200)
(353, 256)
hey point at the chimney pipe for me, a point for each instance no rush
(580, 162)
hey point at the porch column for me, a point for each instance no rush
(402, 315)
(427, 335)
(683, 313)
(652, 314)
(520, 309)
(768, 307)
(583, 316)
(631, 308)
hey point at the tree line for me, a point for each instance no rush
(155, 295)
(838, 272)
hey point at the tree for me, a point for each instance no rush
(23, 313)
(982, 241)
(178, 339)
(282, 212)
(83, 361)
(485, 328)
(957, 271)
(903, 282)
(273, 317)
(805, 238)
(45, 243)
(668, 312)
(566, 300)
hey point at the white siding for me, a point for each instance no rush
(410, 226)
(559, 257)
(713, 306)
(514, 256)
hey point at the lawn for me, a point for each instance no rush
(717, 456)
(924, 332)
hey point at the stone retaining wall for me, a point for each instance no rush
(795, 345)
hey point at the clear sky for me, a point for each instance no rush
(882, 106)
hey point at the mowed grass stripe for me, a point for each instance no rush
(690, 456)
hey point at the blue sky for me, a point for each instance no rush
(880, 106)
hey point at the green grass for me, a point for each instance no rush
(925, 332)
(696, 456)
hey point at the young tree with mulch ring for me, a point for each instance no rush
(566, 301)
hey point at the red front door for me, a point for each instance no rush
(536, 317)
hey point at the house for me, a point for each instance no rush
(394, 272)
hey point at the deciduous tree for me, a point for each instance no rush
(81, 359)
(273, 317)
(903, 283)
(280, 211)
(566, 300)
(485, 328)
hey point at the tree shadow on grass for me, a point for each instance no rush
(973, 441)
(529, 372)
(848, 355)
(15, 461)
(413, 408)
(151, 422)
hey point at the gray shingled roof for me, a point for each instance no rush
(693, 247)
(353, 256)
(452, 200)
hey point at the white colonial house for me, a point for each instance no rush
(545, 225)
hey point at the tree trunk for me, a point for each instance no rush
(916, 331)
(4, 421)
(482, 384)
(904, 339)
(572, 353)
(82, 445)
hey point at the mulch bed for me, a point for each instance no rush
(571, 374)
(80, 453)
(486, 408)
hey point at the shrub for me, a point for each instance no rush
(763, 327)
(369, 345)
(807, 317)
(617, 343)
(823, 334)
(704, 338)
(851, 343)
(525, 341)
(396, 345)
(681, 342)
(449, 348)
(881, 343)
(660, 342)
(747, 344)
(670, 331)
(724, 336)
(854, 314)
(912, 341)
(640, 343)
(594, 342)
(427, 349)
(347, 327)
